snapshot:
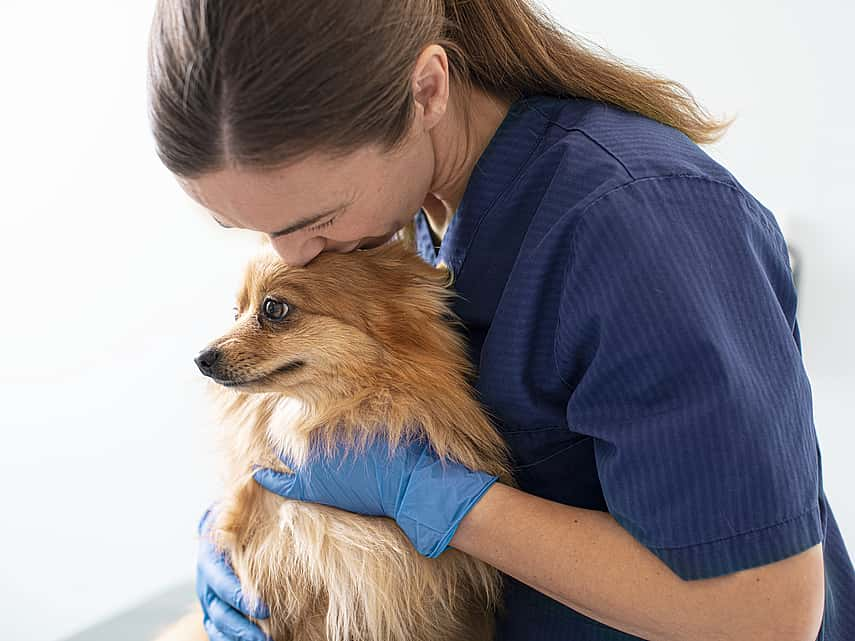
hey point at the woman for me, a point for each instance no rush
(629, 305)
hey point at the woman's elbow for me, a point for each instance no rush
(788, 598)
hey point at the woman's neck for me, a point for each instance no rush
(454, 162)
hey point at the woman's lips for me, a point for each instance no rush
(376, 241)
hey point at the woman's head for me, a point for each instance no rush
(269, 112)
(328, 201)
(272, 113)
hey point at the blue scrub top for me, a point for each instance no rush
(630, 310)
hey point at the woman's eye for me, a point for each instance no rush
(237, 312)
(322, 225)
(274, 309)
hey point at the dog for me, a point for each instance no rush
(351, 346)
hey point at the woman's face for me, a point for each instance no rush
(319, 204)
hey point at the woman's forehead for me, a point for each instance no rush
(238, 197)
(293, 178)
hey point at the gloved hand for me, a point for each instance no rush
(427, 497)
(224, 606)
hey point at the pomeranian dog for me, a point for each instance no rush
(350, 347)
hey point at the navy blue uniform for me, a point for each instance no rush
(631, 312)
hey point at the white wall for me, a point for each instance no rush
(112, 281)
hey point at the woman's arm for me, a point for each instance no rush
(587, 561)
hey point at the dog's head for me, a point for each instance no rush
(333, 324)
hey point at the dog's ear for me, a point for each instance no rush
(403, 253)
(445, 276)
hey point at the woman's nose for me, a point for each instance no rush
(298, 254)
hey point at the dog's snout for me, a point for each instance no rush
(207, 359)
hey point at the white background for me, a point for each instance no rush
(112, 280)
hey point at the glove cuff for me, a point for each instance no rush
(438, 496)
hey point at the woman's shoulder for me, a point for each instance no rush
(600, 142)
(592, 152)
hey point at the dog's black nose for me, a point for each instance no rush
(207, 359)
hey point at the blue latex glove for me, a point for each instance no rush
(427, 497)
(224, 606)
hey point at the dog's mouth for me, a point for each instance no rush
(265, 378)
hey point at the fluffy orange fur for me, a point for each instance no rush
(378, 354)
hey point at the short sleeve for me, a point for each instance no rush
(678, 339)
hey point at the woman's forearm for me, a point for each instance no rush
(587, 561)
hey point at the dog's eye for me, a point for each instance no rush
(274, 310)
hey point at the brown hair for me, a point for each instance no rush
(262, 83)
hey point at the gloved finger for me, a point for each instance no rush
(215, 574)
(288, 461)
(277, 482)
(214, 634)
(232, 624)
(204, 522)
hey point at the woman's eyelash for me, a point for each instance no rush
(322, 225)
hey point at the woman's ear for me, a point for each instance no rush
(430, 84)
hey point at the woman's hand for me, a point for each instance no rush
(224, 607)
(425, 496)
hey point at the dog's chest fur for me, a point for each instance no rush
(330, 575)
